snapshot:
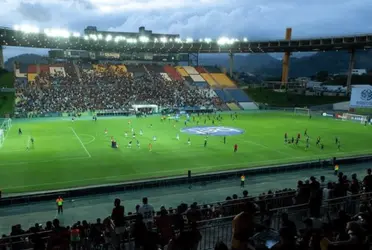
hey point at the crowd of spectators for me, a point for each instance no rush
(329, 224)
(109, 89)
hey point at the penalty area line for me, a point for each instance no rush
(81, 142)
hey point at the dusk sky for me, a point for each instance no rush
(254, 19)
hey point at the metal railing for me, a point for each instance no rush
(218, 229)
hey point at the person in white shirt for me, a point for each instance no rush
(147, 212)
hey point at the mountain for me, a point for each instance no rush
(25, 59)
(242, 63)
(333, 61)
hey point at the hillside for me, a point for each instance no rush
(25, 59)
(334, 62)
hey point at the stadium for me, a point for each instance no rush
(118, 114)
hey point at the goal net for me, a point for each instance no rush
(302, 111)
(4, 129)
(354, 117)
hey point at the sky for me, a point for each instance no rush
(254, 19)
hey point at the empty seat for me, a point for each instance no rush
(182, 72)
(172, 72)
(233, 106)
(223, 80)
(222, 95)
(208, 78)
(200, 69)
(212, 69)
(238, 95)
(191, 70)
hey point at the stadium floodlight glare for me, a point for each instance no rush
(245, 39)
(163, 40)
(100, 37)
(131, 40)
(76, 34)
(93, 37)
(178, 40)
(86, 37)
(27, 28)
(143, 39)
(200, 40)
(57, 33)
(207, 40)
(108, 38)
(189, 40)
(225, 41)
(156, 40)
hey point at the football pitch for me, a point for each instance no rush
(70, 154)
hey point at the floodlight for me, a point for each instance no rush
(93, 37)
(86, 37)
(132, 40)
(144, 39)
(207, 40)
(163, 39)
(27, 28)
(245, 39)
(178, 40)
(171, 40)
(156, 40)
(200, 40)
(108, 38)
(76, 34)
(57, 33)
(224, 41)
(100, 37)
(189, 40)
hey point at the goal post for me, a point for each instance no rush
(302, 111)
(4, 130)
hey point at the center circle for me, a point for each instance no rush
(212, 130)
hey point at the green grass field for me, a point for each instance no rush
(73, 154)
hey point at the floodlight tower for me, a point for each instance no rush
(350, 70)
(1, 58)
(231, 57)
(286, 56)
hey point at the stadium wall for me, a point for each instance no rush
(199, 178)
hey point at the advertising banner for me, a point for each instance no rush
(361, 97)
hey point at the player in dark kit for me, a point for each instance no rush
(318, 141)
(297, 141)
(305, 133)
(336, 140)
(224, 140)
(205, 142)
(285, 137)
(20, 131)
(321, 146)
(235, 148)
(292, 140)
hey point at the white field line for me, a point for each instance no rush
(198, 167)
(81, 143)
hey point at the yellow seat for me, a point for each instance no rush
(233, 106)
(208, 78)
(223, 80)
(181, 71)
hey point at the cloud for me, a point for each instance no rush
(255, 19)
(34, 12)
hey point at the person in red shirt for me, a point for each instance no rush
(117, 214)
(235, 148)
(164, 226)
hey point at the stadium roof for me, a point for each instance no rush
(26, 36)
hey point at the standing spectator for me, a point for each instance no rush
(59, 203)
(117, 214)
(164, 226)
(367, 181)
(147, 211)
(243, 226)
(59, 238)
(354, 186)
(315, 198)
